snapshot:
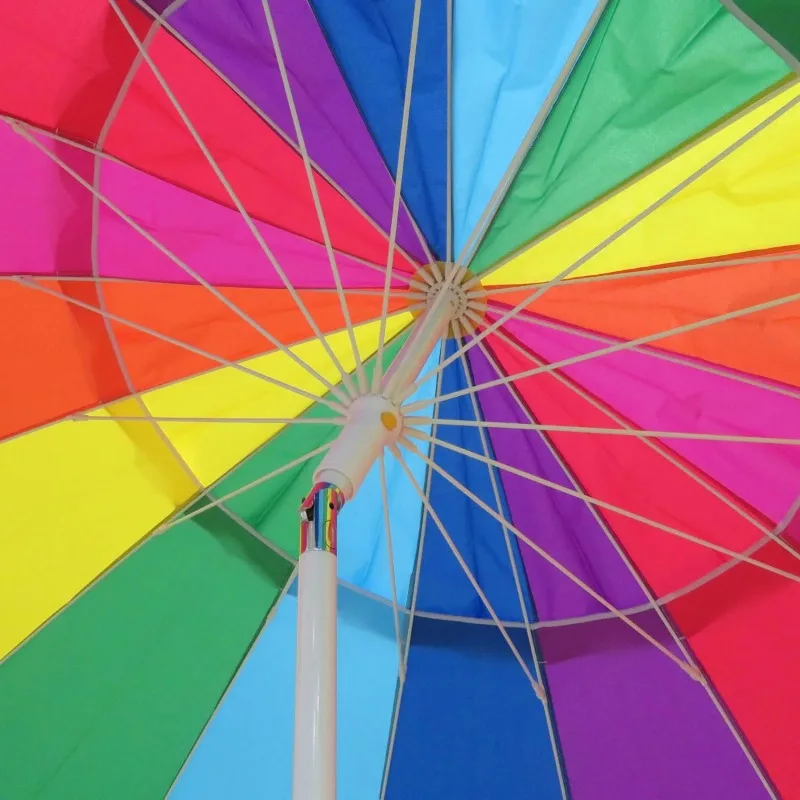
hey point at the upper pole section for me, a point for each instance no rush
(375, 420)
(428, 331)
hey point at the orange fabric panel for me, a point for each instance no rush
(764, 343)
(56, 358)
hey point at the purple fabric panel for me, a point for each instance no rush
(665, 396)
(210, 238)
(563, 526)
(632, 724)
(233, 36)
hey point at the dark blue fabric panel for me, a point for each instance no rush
(370, 40)
(470, 726)
(443, 585)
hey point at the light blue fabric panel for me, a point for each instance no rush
(246, 751)
(506, 58)
(363, 556)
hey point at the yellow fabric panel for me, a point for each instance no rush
(75, 497)
(78, 495)
(749, 201)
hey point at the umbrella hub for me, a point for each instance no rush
(466, 297)
(457, 297)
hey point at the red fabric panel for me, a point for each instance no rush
(61, 64)
(743, 626)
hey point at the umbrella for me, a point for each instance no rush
(399, 399)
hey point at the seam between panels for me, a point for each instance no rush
(410, 612)
(175, 34)
(496, 201)
(537, 655)
(420, 235)
(665, 617)
(791, 60)
(250, 649)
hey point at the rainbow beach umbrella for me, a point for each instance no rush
(400, 398)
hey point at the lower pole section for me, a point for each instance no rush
(373, 422)
(314, 776)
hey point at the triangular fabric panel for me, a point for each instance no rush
(506, 60)
(469, 723)
(211, 239)
(246, 751)
(49, 227)
(443, 586)
(371, 42)
(650, 79)
(236, 40)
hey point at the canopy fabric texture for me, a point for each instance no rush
(579, 574)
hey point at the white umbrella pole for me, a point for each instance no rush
(373, 422)
(315, 692)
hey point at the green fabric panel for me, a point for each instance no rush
(108, 699)
(653, 76)
(780, 19)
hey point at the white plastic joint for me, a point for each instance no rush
(373, 422)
